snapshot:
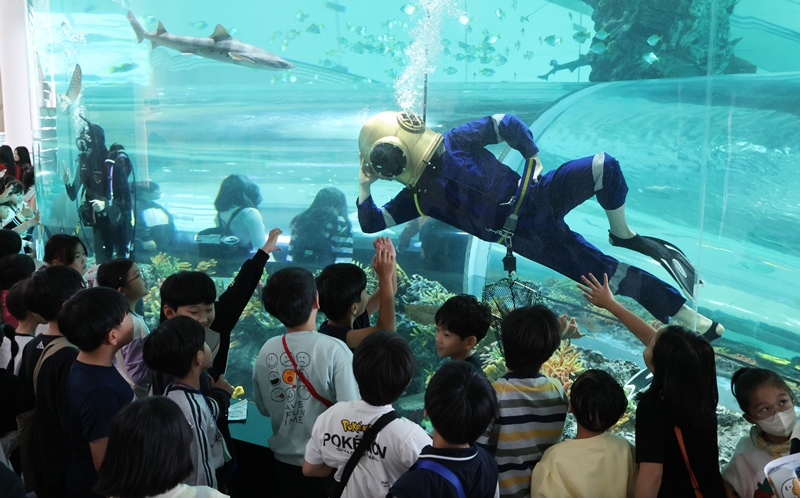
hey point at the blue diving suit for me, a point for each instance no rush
(467, 187)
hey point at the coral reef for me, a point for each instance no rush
(565, 364)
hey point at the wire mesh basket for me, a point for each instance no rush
(506, 295)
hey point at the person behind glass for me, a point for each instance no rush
(322, 234)
(767, 403)
(155, 226)
(237, 208)
(103, 176)
(8, 167)
(680, 404)
(148, 454)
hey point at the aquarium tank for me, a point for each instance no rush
(698, 103)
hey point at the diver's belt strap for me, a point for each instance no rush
(511, 222)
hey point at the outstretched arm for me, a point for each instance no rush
(600, 295)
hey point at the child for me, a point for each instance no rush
(68, 250)
(383, 366)
(343, 298)
(321, 235)
(125, 276)
(294, 404)
(97, 322)
(681, 402)
(46, 292)
(595, 459)
(177, 347)
(148, 453)
(532, 407)
(461, 323)
(768, 403)
(27, 322)
(460, 403)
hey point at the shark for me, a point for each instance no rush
(220, 46)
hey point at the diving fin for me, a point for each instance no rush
(670, 257)
(642, 379)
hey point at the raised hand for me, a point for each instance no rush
(596, 293)
(272, 241)
(569, 328)
(384, 263)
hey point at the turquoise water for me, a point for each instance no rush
(711, 162)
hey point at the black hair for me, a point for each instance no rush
(7, 158)
(237, 191)
(61, 247)
(340, 286)
(24, 156)
(597, 400)
(383, 365)
(530, 336)
(10, 242)
(14, 268)
(114, 273)
(14, 302)
(387, 159)
(172, 346)
(685, 377)
(187, 288)
(289, 295)
(315, 230)
(28, 177)
(460, 402)
(148, 450)
(465, 316)
(746, 381)
(15, 186)
(49, 288)
(147, 187)
(88, 316)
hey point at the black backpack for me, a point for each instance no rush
(219, 242)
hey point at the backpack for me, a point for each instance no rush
(25, 420)
(219, 242)
(311, 242)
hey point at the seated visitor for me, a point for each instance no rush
(532, 407)
(27, 322)
(461, 404)
(344, 300)
(297, 376)
(177, 347)
(595, 459)
(68, 250)
(237, 209)
(155, 226)
(768, 403)
(678, 407)
(97, 322)
(148, 453)
(47, 461)
(461, 323)
(321, 235)
(125, 276)
(383, 366)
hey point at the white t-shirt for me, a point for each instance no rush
(337, 432)
(184, 491)
(22, 340)
(280, 394)
(745, 471)
(248, 226)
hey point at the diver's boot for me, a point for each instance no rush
(670, 257)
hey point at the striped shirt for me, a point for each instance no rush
(532, 414)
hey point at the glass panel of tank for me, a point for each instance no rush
(710, 162)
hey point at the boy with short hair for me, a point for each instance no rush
(26, 329)
(177, 347)
(460, 403)
(44, 295)
(461, 323)
(383, 366)
(532, 407)
(297, 376)
(595, 459)
(343, 298)
(97, 322)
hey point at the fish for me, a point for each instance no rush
(601, 35)
(581, 36)
(522, 30)
(460, 57)
(485, 59)
(342, 41)
(315, 28)
(553, 62)
(123, 68)
(650, 58)
(464, 20)
(327, 63)
(391, 73)
(292, 34)
(65, 100)
(220, 46)
(517, 45)
(487, 72)
(514, 4)
(499, 60)
(500, 13)
(653, 40)
(598, 48)
(408, 9)
(450, 71)
(467, 48)
(199, 24)
(552, 40)
(525, 18)
(528, 55)
(491, 39)
(471, 58)
(301, 16)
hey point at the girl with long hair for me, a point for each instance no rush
(322, 234)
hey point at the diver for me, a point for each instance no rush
(103, 175)
(455, 179)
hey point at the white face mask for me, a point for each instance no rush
(780, 424)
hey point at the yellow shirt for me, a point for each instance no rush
(600, 466)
